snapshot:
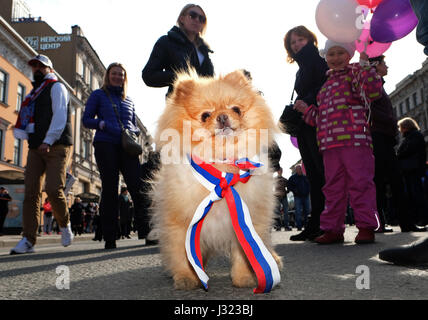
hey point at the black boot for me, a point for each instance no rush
(110, 245)
(307, 234)
(414, 254)
(413, 228)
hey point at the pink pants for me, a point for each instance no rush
(349, 173)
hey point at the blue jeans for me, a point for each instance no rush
(285, 219)
(47, 225)
(302, 210)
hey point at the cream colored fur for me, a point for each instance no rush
(177, 194)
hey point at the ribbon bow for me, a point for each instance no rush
(221, 186)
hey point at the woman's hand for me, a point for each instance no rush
(364, 56)
(300, 106)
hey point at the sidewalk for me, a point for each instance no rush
(10, 241)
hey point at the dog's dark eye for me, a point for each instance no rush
(205, 116)
(236, 110)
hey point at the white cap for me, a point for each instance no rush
(350, 47)
(43, 60)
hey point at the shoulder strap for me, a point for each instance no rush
(114, 107)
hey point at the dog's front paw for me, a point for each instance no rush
(183, 282)
(244, 280)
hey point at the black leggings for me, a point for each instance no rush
(111, 160)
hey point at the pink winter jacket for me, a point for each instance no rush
(341, 118)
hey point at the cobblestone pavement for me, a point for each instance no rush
(134, 272)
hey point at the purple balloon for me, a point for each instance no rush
(392, 20)
(294, 142)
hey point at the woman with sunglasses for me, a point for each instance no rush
(180, 48)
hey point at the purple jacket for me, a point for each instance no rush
(341, 118)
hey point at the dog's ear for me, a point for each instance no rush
(183, 90)
(237, 78)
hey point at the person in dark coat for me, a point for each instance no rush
(411, 155)
(416, 253)
(180, 49)
(5, 198)
(383, 127)
(76, 216)
(125, 213)
(148, 171)
(300, 186)
(97, 224)
(301, 46)
(281, 210)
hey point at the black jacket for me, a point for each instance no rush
(299, 185)
(76, 214)
(172, 53)
(43, 117)
(382, 118)
(311, 75)
(412, 154)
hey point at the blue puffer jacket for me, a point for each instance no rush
(99, 108)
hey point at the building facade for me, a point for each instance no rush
(410, 99)
(79, 64)
(15, 84)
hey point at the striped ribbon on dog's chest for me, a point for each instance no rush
(221, 186)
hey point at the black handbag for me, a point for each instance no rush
(129, 139)
(291, 120)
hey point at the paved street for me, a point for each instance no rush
(134, 272)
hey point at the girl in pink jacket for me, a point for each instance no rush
(345, 141)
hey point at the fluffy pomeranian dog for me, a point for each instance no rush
(218, 121)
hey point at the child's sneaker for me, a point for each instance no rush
(365, 236)
(330, 238)
(23, 246)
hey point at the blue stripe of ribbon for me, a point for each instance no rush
(253, 244)
(204, 173)
(193, 236)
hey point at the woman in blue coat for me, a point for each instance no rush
(110, 157)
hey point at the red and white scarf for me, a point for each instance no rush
(25, 123)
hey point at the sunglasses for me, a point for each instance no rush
(193, 15)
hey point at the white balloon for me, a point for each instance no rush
(339, 20)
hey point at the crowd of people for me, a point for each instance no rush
(346, 138)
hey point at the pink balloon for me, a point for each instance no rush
(294, 142)
(372, 48)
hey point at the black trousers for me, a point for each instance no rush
(314, 166)
(415, 191)
(111, 160)
(3, 216)
(387, 171)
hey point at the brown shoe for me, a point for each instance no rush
(330, 238)
(365, 236)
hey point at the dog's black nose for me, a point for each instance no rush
(223, 119)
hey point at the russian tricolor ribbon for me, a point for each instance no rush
(25, 121)
(221, 187)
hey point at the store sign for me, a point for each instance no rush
(47, 42)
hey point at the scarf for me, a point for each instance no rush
(25, 123)
(221, 186)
